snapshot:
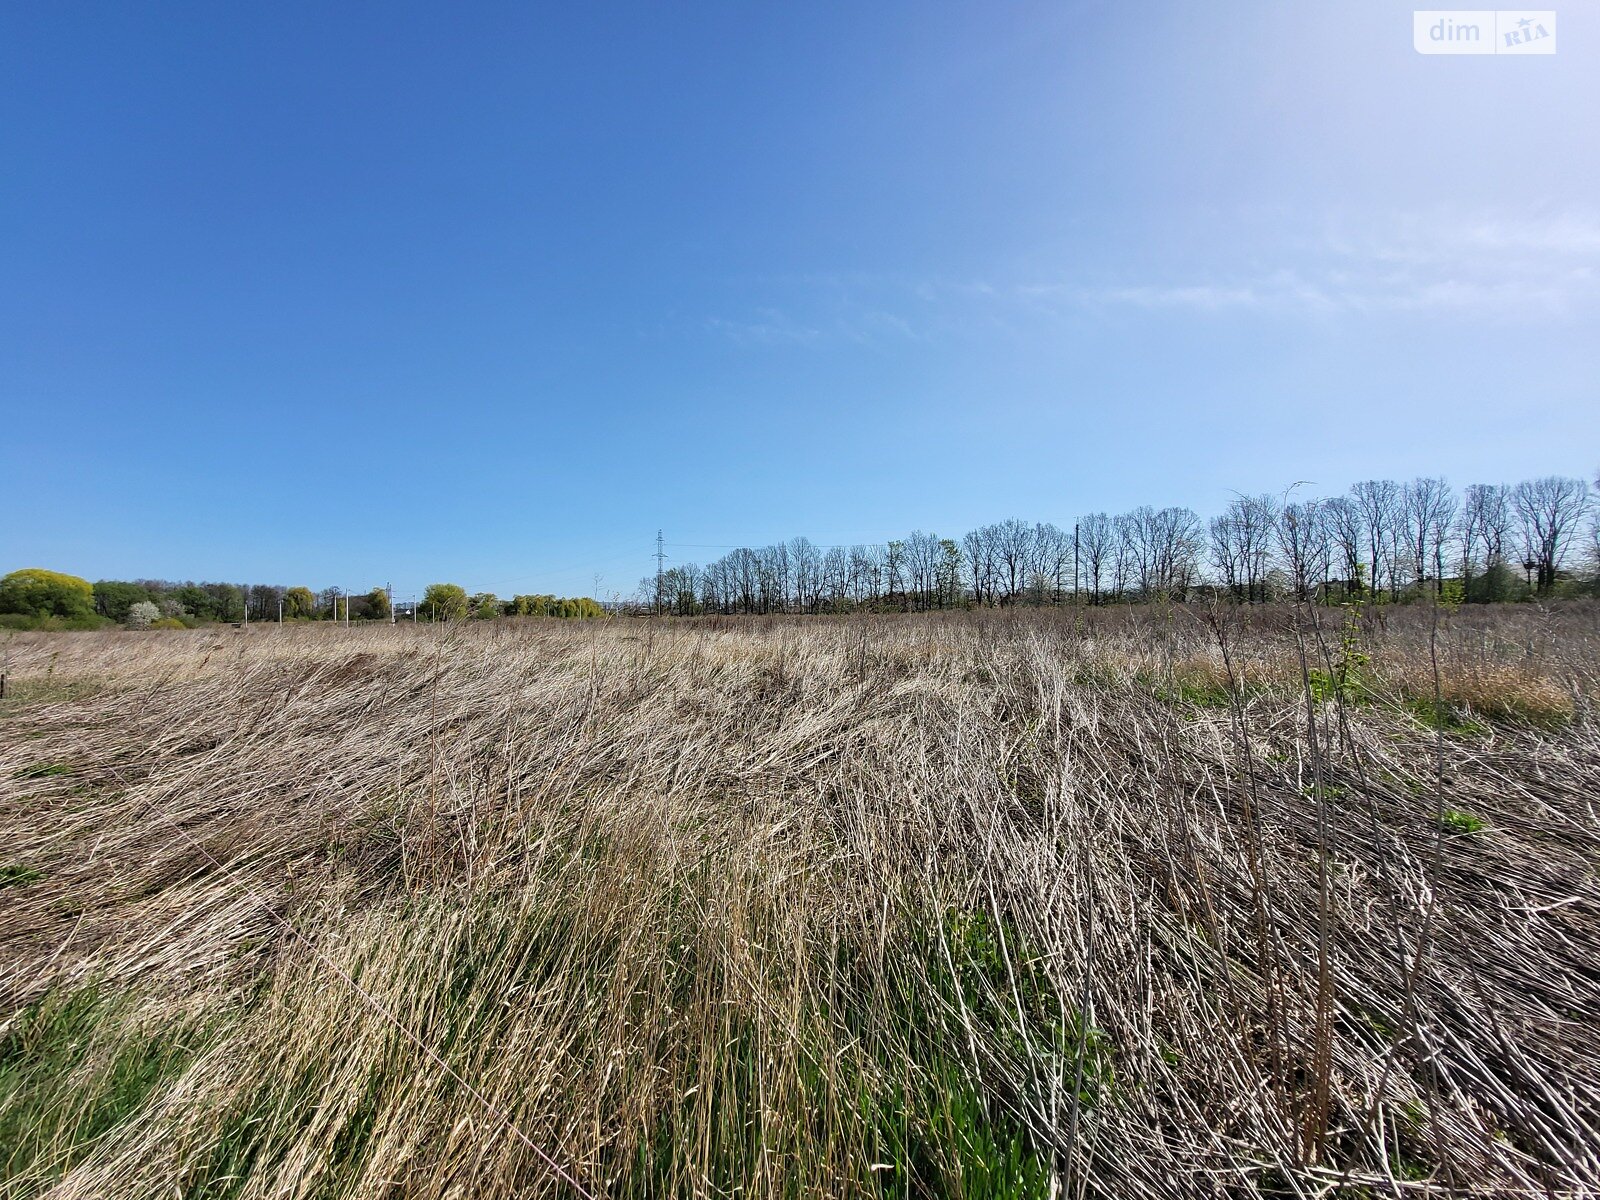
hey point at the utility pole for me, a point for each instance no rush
(661, 556)
(1075, 562)
(280, 610)
(388, 590)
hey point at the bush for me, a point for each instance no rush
(169, 623)
(142, 615)
(35, 592)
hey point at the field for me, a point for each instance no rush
(1130, 902)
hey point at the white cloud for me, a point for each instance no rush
(1446, 264)
(770, 328)
(1410, 263)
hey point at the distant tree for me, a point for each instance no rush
(1348, 533)
(142, 614)
(113, 598)
(1550, 510)
(35, 592)
(1096, 547)
(197, 602)
(1427, 511)
(1013, 554)
(444, 602)
(227, 600)
(1304, 539)
(952, 591)
(1378, 501)
(377, 605)
(262, 601)
(485, 606)
(299, 604)
(1485, 529)
(1050, 561)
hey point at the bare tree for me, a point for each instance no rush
(924, 556)
(1379, 502)
(1013, 549)
(805, 564)
(1052, 560)
(980, 563)
(1484, 529)
(1125, 553)
(1348, 532)
(1241, 544)
(1303, 537)
(1096, 541)
(1427, 509)
(1551, 510)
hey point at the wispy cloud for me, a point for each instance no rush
(769, 327)
(846, 322)
(1412, 264)
(1415, 264)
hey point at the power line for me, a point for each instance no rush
(661, 558)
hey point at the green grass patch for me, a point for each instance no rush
(48, 689)
(17, 875)
(1459, 821)
(74, 1067)
(1198, 695)
(1447, 718)
(42, 771)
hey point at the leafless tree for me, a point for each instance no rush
(1379, 503)
(1096, 547)
(1051, 561)
(1345, 527)
(1305, 541)
(1550, 510)
(979, 550)
(1484, 528)
(1241, 545)
(1427, 510)
(805, 565)
(1013, 551)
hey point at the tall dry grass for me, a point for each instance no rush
(1112, 904)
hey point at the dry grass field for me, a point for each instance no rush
(1125, 903)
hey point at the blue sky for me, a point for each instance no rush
(346, 294)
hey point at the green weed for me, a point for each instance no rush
(1455, 820)
(17, 875)
(42, 770)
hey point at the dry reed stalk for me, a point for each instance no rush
(1120, 902)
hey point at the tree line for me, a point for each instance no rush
(37, 598)
(1382, 541)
